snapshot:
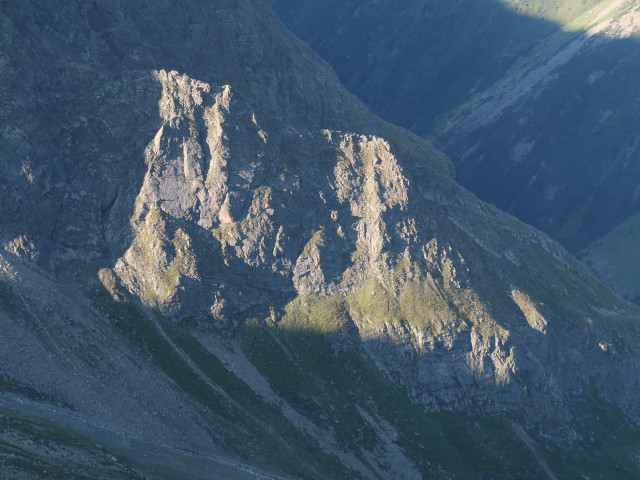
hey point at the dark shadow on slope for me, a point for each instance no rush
(315, 361)
(565, 159)
(327, 380)
(476, 446)
(412, 61)
(331, 383)
(330, 380)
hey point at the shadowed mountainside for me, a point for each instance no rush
(413, 62)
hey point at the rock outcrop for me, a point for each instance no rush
(235, 215)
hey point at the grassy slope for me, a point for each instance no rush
(608, 446)
(327, 389)
(34, 448)
(616, 257)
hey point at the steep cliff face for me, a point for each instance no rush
(233, 201)
(234, 214)
(275, 262)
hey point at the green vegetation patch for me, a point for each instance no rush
(616, 257)
(10, 302)
(33, 448)
(10, 384)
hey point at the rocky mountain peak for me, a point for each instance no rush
(294, 206)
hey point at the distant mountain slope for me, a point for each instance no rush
(617, 258)
(536, 102)
(216, 261)
(413, 61)
(559, 148)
